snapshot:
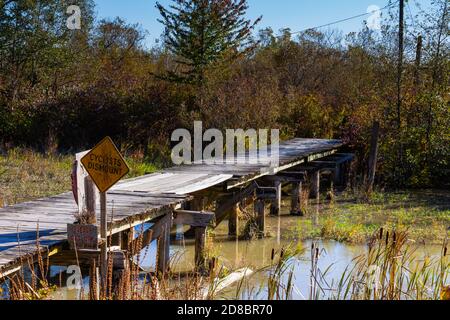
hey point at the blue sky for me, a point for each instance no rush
(294, 14)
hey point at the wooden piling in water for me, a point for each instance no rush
(200, 240)
(337, 178)
(296, 199)
(260, 216)
(275, 208)
(163, 250)
(233, 221)
(315, 185)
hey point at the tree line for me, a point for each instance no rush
(63, 90)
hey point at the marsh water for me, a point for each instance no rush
(255, 254)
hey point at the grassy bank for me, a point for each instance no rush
(424, 214)
(26, 175)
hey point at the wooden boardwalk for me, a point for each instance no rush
(136, 201)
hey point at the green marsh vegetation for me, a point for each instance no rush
(425, 214)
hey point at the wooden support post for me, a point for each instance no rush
(84, 235)
(147, 238)
(233, 221)
(103, 235)
(163, 250)
(346, 173)
(84, 190)
(260, 216)
(200, 240)
(338, 175)
(330, 194)
(224, 205)
(94, 283)
(126, 238)
(343, 173)
(276, 203)
(117, 279)
(119, 266)
(116, 240)
(315, 185)
(296, 199)
(89, 198)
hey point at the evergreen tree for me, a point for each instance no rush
(201, 32)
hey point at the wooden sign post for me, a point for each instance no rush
(106, 167)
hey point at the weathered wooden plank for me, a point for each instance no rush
(145, 194)
(192, 218)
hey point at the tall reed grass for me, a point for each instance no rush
(389, 270)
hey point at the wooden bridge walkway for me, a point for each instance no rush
(136, 201)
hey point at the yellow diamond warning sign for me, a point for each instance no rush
(105, 164)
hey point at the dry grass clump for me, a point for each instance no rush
(27, 175)
(391, 271)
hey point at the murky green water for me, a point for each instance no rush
(335, 257)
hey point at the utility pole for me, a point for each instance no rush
(400, 62)
(399, 89)
(418, 61)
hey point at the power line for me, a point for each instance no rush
(346, 19)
